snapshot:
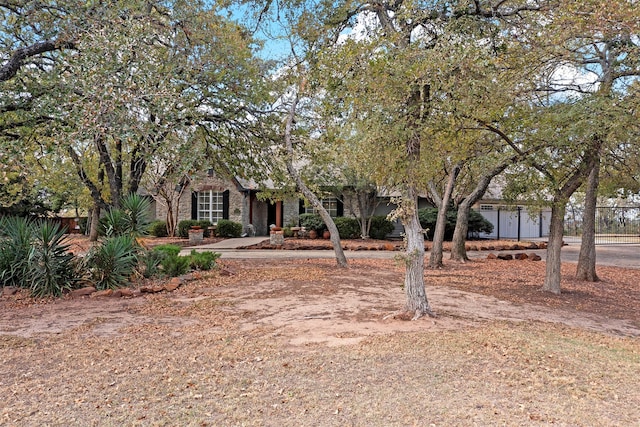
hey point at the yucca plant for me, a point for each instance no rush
(136, 214)
(114, 223)
(131, 219)
(112, 262)
(51, 267)
(16, 235)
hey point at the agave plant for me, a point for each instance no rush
(51, 267)
(136, 213)
(114, 223)
(131, 219)
(16, 235)
(112, 262)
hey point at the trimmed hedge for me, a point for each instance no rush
(185, 225)
(477, 223)
(312, 222)
(348, 228)
(227, 228)
(158, 228)
(380, 227)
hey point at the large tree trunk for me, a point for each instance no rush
(95, 223)
(552, 277)
(414, 285)
(586, 269)
(435, 259)
(115, 184)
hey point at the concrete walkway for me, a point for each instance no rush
(230, 243)
(617, 256)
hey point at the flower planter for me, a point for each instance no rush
(196, 236)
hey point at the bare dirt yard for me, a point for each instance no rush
(303, 343)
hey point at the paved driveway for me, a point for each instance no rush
(613, 255)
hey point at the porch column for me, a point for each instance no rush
(279, 214)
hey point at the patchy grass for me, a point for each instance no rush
(500, 374)
(225, 350)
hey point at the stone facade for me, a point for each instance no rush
(243, 205)
(184, 208)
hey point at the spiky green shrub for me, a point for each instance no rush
(113, 262)
(380, 227)
(131, 219)
(158, 228)
(136, 213)
(176, 265)
(348, 228)
(51, 267)
(228, 228)
(16, 235)
(149, 262)
(113, 223)
(168, 249)
(203, 260)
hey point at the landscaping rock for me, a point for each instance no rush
(173, 284)
(492, 256)
(151, 289)
(103, 293)
(521, 256)
(82, 292)
(534, 257)
(10, 290)
(126, 292)
(506, 257)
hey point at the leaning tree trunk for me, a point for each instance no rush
(458, 243)
(458, 249)
(435, 259)
(556, 230)
(95, 223)
(586, 269)
(414, 286)
(554, 248)
(341, 259)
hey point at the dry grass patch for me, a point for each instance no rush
(301, 343)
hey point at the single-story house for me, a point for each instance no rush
(209, 197)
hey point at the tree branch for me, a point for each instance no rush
(11, 67)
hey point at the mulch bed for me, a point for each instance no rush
(394, 245)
